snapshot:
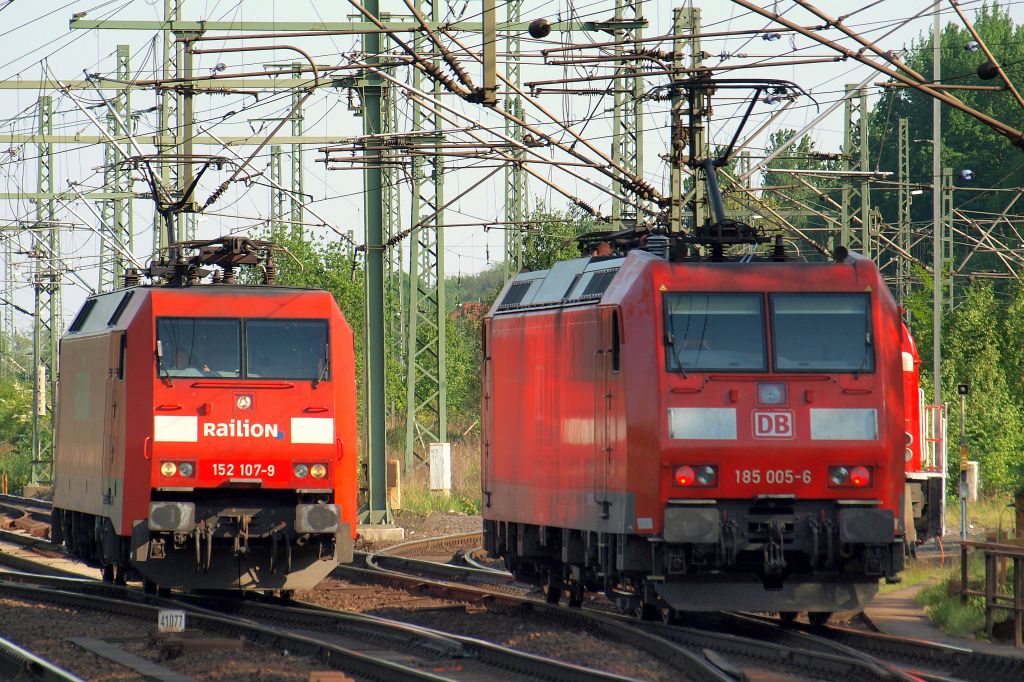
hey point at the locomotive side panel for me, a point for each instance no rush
(82, 424)
(137, 441)
(548, 447)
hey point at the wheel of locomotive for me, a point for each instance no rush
(818, 618)
(669, 616)
(787, 617)
(120, 574)
(108, 573)
(552, 588)
(148, 586)
(575, 592)
(648, 611)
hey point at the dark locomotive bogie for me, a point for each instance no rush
(727, 556)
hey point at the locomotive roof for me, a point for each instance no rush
(107, 311)
(585, 281)
(579, 281)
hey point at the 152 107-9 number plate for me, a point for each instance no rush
(246, 469)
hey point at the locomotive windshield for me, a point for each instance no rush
(822, 332)
(199, 347)
(714, 332)
(286, 349)
(216, 347)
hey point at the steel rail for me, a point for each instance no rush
(18, 663)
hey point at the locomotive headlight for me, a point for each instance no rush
(908, 454)
(301, 471)
(243, 402)
(838, 475)
(186, 469)
(168, 468)
(771, 394)
(706, 474)
(318, 471)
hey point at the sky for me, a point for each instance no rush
(38, 44)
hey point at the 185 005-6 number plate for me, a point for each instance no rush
(774, 476)
(246, 469)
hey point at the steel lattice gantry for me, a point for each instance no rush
(627, 123)
(426, 392)
(516, 198)
(116, 213)
(394, 297)
(855, 157)
(46, 283)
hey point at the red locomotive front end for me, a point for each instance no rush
(206, 436)
(696, 434)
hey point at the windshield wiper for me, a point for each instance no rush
(867, 355)
(161, 369)
(670, 339)
(323, 369)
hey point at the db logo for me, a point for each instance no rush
(773, 424)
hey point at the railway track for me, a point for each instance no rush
(23, 513)
(366, 646)
(823, 652)
(830, 652)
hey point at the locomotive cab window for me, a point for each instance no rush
(720, 332)
(822, 332)
(199, 347)
(286, 349)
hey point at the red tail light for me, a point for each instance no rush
(860, 477)
(685, 475)
(698, 476)
(849, 476)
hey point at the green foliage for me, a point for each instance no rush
(966, 142)
(15, 431)
(553, 236)
(422, 502)
(944, 606)
(973, 353)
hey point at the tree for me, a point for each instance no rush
(966, 142)
(16, 431)
(974, 352)
(552, 236)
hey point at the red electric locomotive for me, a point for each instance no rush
(206, 433)
(696, 432)
(925, 455)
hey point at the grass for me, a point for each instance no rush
(913, 573)
(994, 515)
(465, 497)
(944, 607)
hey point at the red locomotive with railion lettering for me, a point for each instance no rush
(206, 433)
(685, 430)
